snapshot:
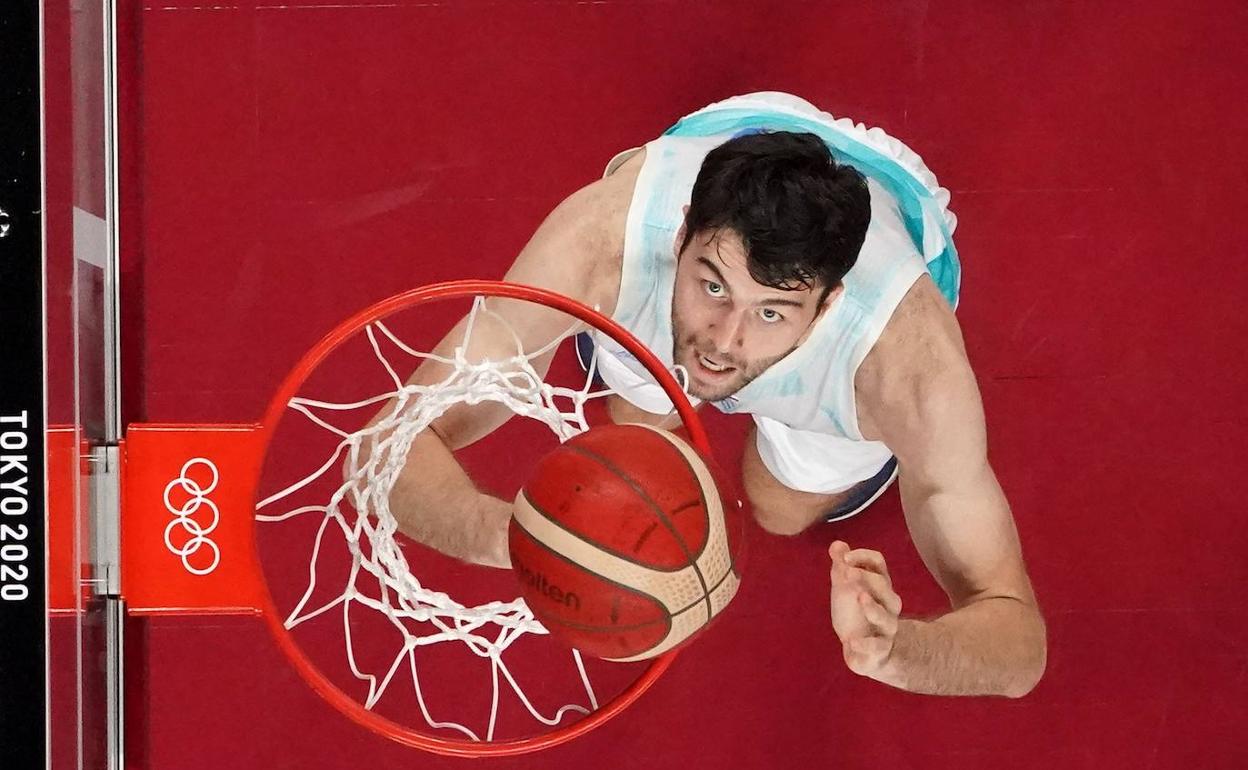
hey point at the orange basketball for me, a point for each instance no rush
(622, 544)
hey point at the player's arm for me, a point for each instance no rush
(992, 642)
(434, 500)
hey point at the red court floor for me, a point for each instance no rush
(286, 164)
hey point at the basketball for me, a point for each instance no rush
(622, 544)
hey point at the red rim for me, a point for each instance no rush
(290, 387)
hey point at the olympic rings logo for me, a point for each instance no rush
(183, 517)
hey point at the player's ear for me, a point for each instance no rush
(829, 300)
(680, 234)
(824, 306)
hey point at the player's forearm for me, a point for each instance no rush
(472, 528)
(994, 646)
(436, 503)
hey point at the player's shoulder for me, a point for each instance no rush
(602, 215)
(919, 358)
(608, 199)
(578, 248)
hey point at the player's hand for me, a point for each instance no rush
(865, 609)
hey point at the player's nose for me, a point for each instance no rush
(726, 333)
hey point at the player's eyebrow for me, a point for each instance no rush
(783, 301)
(770, 301)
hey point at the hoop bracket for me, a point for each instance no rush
(187, 519)
(104, 463)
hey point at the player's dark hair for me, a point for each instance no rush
(801, 216)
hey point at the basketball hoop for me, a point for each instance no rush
(380, 579)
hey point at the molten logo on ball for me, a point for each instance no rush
(622, 544)
(536, 581)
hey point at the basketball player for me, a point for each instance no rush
(817, 295)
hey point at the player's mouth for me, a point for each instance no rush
(709, 368)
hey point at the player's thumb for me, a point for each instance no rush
(838, 549)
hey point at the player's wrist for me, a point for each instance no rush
(894, 668)
(490, 519)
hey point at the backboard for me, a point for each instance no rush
(59, 394)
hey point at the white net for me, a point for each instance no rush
(380, 579)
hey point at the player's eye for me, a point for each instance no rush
(713, 289)
(770, 316)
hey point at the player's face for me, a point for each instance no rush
(727, 328)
